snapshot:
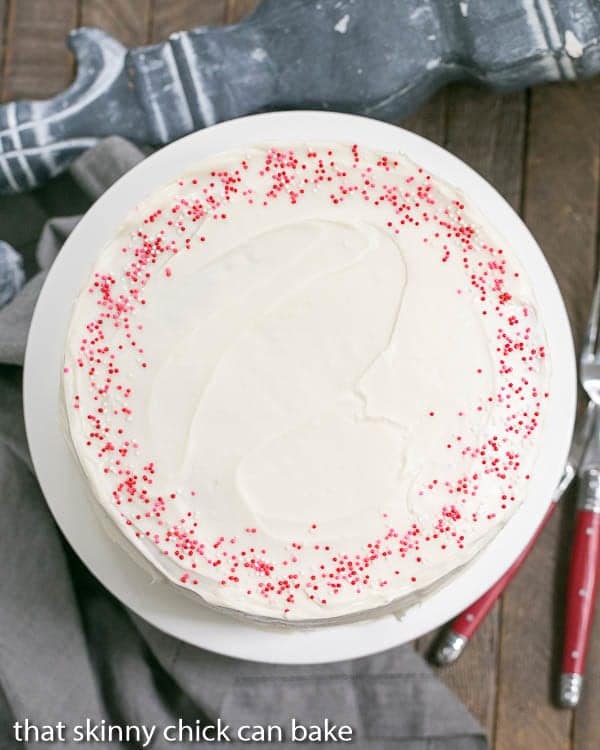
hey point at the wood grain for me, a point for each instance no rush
(530, 642)
(32, 69)
(38, 67)
(238, 9)
(127, 20)
(3, 30)
(488, 132)
(586, 729)
(172, 16)
(445, 119)
(560, 207)
(430, 120)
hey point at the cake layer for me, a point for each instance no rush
(306, 381)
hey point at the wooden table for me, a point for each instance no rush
(541, 150)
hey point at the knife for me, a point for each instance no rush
(455, 639)
(582, 585)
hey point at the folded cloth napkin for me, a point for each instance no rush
(69, 651)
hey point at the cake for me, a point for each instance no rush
(306, 382)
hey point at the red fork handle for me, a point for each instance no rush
(464, 627)
(582, 588)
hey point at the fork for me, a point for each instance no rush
(454, 640)
(582, 586)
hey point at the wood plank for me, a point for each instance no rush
(238, 9)
(488, 132)
(127, 20)
(430, 120)
(561, 209)
(586, 729)
(3, 30)
(34, 67)
(169, 16)
(530, 647)
(474, 676)
(451, 118)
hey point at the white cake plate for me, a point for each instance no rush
(67, 493)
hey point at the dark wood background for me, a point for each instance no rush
(541, 150)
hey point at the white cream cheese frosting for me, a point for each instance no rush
(306, 381)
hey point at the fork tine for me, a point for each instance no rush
(590, 342)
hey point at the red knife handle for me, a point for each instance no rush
(582, 588)
(466, 624)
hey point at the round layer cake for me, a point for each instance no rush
(306, 381)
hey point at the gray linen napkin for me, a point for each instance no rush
(69, 651)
